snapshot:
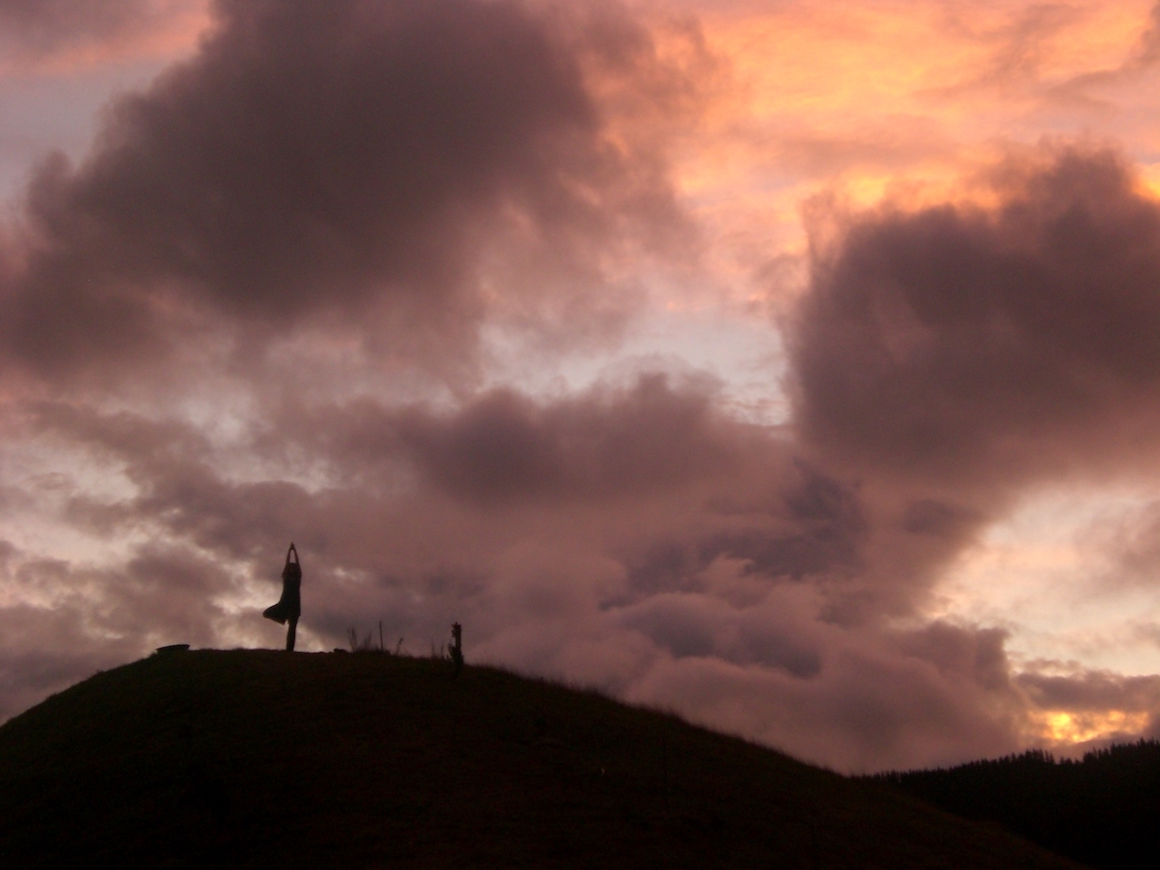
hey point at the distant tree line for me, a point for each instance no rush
(1103, 810)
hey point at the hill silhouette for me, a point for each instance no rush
(272, 759)
(1102, 810)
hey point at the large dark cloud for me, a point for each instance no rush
(504, 445)
(985, 346)
(337, 161)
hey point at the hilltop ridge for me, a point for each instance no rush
(269, 759)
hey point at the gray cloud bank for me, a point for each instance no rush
(392, 177)
(32, 30)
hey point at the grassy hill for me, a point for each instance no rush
(268, 759)
(1102, 809)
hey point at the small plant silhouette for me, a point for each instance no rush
(366, 644)
(369, 644)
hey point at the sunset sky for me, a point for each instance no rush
(792, 366)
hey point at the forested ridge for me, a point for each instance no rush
(1103, 810)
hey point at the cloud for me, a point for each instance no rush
(861, 699)
(1139, 60)
(43, 25)
(1094, 691)
(505, 446)
(338, 164)
(71, 620)
(987, 347)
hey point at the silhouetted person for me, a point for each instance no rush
(457, 647)
(289, 606)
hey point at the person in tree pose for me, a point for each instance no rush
(289, 606)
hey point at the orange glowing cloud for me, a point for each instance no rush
(898, 100)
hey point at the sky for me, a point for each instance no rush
(791, 366)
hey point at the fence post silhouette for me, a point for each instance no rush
(456, 648)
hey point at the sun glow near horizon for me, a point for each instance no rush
(1060, 729)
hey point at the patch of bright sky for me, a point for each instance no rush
(866, 92)
(54, 103)
(745, 354)
(43, 114)
(39, 482)
(1038, 574)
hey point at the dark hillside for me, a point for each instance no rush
(1103, 810)
(269, 759)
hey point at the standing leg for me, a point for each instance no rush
(290, 633)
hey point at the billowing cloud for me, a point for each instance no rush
(986, 346)
(335, 164)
